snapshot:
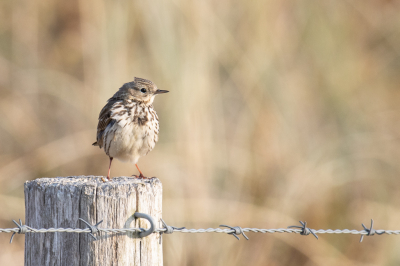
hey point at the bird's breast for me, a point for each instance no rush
(134, 133)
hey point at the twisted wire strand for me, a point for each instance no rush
(200, 230)
(235, 231)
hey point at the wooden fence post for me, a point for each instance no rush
(59, 202)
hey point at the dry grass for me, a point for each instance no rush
(278, 111)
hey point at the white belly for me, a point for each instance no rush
(128, 140)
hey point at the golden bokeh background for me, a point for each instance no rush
(278, 111)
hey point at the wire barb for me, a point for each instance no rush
(93, 228)
(168, 229)
(23, 229)
(305, 231)
(237, 231)
(371, 231)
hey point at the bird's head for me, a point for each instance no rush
(142, 90)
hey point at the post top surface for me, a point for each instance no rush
(92, 180)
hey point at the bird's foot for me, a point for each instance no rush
(105, 180)
(141, 176)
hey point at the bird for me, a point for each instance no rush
(128, 125)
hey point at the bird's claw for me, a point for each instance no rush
(105, 180)
(140, 176)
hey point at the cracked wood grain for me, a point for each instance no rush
(59, 202)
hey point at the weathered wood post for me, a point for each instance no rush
(59, 202)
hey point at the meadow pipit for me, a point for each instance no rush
(128, 124)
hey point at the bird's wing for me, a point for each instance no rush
(104, 120)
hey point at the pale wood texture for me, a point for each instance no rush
(59, 202)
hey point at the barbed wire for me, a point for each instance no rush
(166, 229)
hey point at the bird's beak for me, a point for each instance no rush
(160, 91)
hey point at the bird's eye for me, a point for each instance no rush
(143, 90)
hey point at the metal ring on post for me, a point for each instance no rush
(151, 221)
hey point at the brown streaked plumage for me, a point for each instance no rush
(128, 125)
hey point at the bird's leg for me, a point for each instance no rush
(109, 171)
(141, 176)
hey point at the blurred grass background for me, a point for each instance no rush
(278, 111)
